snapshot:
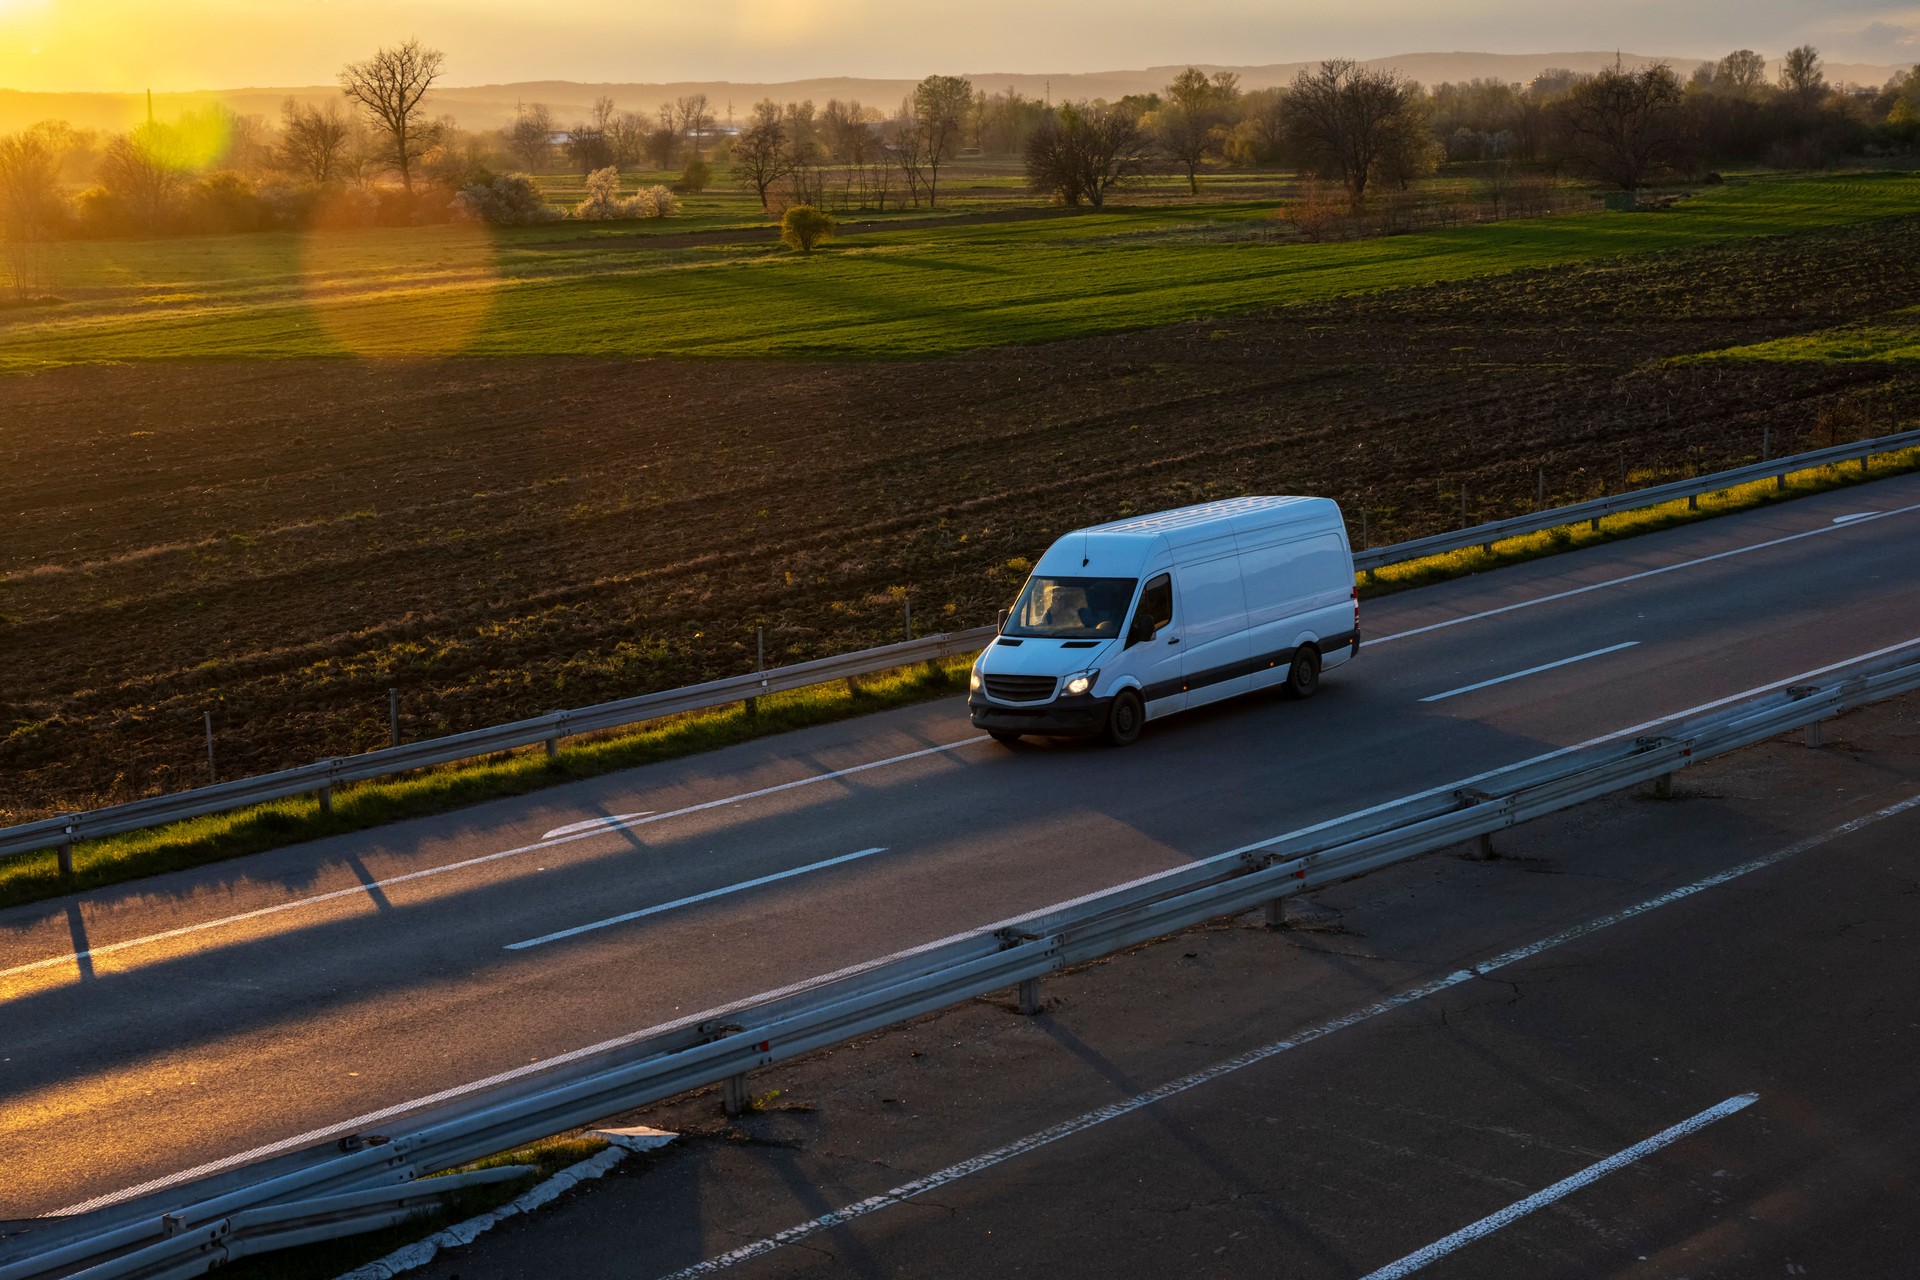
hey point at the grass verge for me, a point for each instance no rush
(1629, 524)
(330, 1258)
(283, 822)
(217, 837)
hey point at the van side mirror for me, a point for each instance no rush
(1141, 631)
(1000, 622)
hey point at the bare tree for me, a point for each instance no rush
(1623, 124)
(663, 146)
(29, 203)
(1080, 153)
(391, 89)
(1189, 128)
(693, 116)
(313, 142)
(1343, 119)
(530, 136)
(627, 139)
(1802, 76)
(909, 149)
(760, 156)
(1742, 73)
(145, 169)
(941, 104)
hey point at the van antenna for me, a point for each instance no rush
(1083, 549)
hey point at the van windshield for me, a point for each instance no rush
(1072, 608)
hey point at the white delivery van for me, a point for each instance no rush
(1126, 622)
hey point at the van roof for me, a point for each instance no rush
(1212, 519)
(1121, 547)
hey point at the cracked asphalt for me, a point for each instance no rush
(1339, 1156)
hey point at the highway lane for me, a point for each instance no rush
(1456, 1074)
(157, 1057)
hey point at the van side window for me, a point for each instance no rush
(1156, 601)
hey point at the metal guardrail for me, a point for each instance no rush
(1485, 535)
(132, 1241)
(320, 778)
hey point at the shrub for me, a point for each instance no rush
(99, 212)
(665, 203)
(695, 177)
(603, 200)
(510, 200)
(225, 202)
(803, 226)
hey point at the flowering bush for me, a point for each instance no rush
(510, 200)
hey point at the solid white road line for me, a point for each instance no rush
(612, 822)
(361, 1122)
(708, 896)
(1636, 577)
(1530, 671)
(1540, 1199)
(600, 829)
(1114, 1110)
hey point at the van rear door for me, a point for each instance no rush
(1214, 637)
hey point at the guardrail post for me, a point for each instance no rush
(759, 665)
(1663, 787)
(63, 854)
(1483, 850)
(734, 1099)
(1276, 913)
(1693, 502)
(1029, 996)
(1815, 737)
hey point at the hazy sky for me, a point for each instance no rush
(192, 44)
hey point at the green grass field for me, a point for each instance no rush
(572, 290)
(1891, 339)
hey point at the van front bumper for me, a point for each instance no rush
(1064, 715)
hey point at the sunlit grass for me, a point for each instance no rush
(1890, 339)
(1547, 542)
(217, 837)
(878, 294)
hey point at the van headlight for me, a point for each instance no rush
(1079, 684)
(973, 679)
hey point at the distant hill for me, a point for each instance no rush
(489, 106)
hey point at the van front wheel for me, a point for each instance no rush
(1303, 676)
(1125, 719)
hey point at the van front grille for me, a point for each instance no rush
(1020, 688)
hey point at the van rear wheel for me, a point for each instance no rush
(1303, 675)
(1125, 719)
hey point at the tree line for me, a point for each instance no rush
(378, 154)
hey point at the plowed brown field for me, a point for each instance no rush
(280, 543)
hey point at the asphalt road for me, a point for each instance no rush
(275, 1000)
(1653, 1039)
